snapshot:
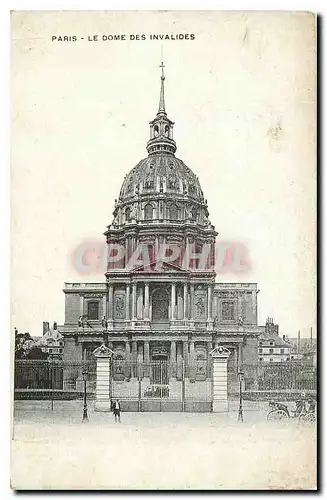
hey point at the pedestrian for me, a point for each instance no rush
(117, 410)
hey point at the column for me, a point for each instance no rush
(173, 358)
(134, 358)
(134, 302)
(146, 302)
(110, 302)
(192, 369)
(209, 303)
(185, 302)
(128, 359)
(146, 358)
(185, 357)
(139, 306)
(127, 300)
(192, 302)
(254, 306)
(81, 305)
(219, 379)
(104, 306)
(173, 301)
(103, 378)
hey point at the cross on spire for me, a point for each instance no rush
(162, 90)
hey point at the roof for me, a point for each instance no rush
(278, 341)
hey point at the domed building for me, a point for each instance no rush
(160, 310)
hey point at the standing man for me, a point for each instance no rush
(116, 406)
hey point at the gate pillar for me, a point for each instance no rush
(219, 379)
(103, 378)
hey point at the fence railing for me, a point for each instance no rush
(158, 377)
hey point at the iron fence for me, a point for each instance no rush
(166, 385)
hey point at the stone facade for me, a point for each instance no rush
(156, 305)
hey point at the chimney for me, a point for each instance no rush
(45, 327)
(284, 338)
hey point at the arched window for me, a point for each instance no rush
(167, 131)
(148, 212)
(156, 131)
(127, 213)
(173, 212)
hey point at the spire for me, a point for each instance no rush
(161, 128)
(162, 90)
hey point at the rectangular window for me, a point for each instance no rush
(271, 351)
(282, 351)
(260, 351)
(260, 359)
(227, 310)
(271, 360)
(93, 310)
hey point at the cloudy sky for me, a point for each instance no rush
(242, 96)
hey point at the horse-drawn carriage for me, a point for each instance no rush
(305, 411)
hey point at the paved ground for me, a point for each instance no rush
(54, 450)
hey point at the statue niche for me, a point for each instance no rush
(160, 306)
(200, 305)
(120, 306)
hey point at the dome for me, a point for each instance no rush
(161, 173)
(161, 189)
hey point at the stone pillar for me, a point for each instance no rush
(173, 301)
(192, 304)
(219, 379)
(127, 300)
(146, 302)
(180, 314)
(128, 359)
(134, 358)
(81, 305)
(104, 306)
(134, 302)
(185, 302)
(185, 357)
(209, 309)
(146, 354)
(139, 303)
(110, 302)
(103, 378)
(192, 369)
(173, 357)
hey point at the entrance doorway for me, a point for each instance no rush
(160, 306)
(159, 370)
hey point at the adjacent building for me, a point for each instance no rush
(271, 347)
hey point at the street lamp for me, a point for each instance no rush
(84, 375)
(240, 408)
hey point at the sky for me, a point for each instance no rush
(242, 96)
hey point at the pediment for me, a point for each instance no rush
(160, 266)
(103, 352)
(220, 352)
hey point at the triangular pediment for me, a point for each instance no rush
(220, 352)
(160, 266)
(102, 352)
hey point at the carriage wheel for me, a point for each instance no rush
(308, 417)
(276, 415)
